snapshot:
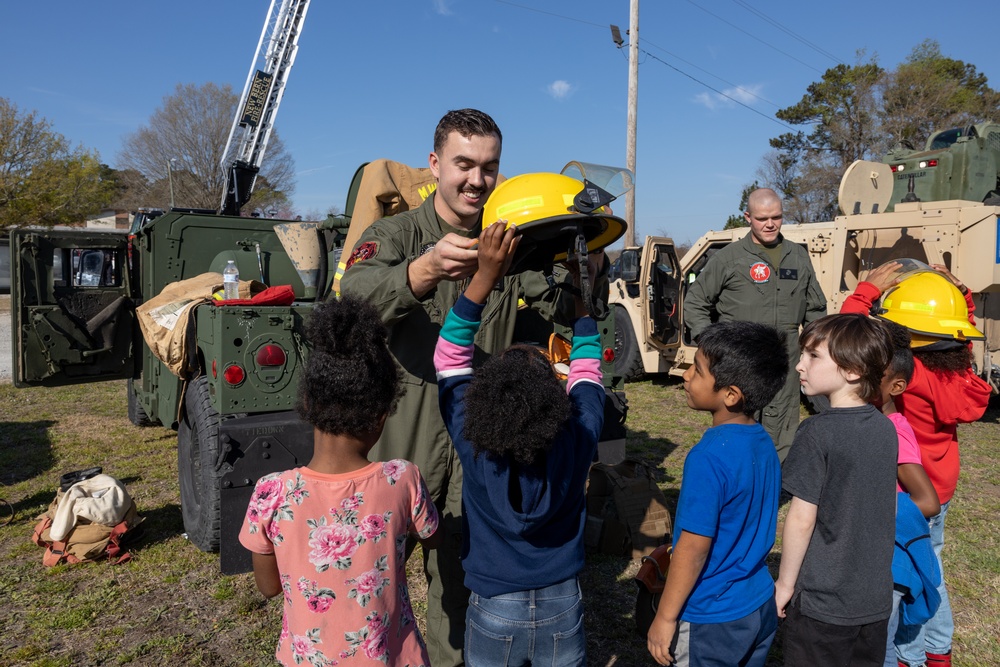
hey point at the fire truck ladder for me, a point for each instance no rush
(258, 106)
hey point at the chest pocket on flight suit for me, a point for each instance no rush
(792, 297)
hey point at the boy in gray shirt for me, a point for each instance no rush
(834, 586)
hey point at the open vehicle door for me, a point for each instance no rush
(72, 312)
(660, 276)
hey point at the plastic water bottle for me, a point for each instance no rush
(231, 281)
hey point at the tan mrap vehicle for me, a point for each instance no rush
(648, 284)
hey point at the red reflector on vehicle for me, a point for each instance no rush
(609, 355)
(234, 375)
(271, 355)
(896, 167)
(215, 369)
(932, 163)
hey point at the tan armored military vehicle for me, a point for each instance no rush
(649, 283)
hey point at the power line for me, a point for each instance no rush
(714, 76)
(676, 69)
(770, 46)
(788, 31)
(718, 92)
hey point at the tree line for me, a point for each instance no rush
(175, 159)
(861, 112)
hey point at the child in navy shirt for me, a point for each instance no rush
(526, 449)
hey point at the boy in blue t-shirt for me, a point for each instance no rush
(718, 605)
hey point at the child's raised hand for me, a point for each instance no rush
(497, 244)
(885, 276)
(941, 268)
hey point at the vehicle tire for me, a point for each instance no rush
(197, 454)
(136, 413)
(628, 361)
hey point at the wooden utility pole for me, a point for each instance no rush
(633, 100)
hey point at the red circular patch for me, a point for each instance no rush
(362, 252)
(760, 272)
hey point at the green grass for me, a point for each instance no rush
(170, 605)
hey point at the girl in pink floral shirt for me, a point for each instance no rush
(331, 536)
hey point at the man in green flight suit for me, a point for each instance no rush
(413, 267)
(762, 278)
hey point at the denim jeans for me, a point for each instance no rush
(913, 642)
(890, 643)
(538, 627)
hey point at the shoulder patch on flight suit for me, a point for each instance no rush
(364, 251)
(760, 272)
(788, 274)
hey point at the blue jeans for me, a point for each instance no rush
(913, 642)
(890, 642)
(542, 626)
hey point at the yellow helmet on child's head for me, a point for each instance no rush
(549, 210)
(931, 307)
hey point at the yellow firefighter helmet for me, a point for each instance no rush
(549, 211)
(930, 306)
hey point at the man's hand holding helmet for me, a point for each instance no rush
(453, 257)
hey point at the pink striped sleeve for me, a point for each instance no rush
(451, 359)
(584, 370)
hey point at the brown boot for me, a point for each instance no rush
(939, 659)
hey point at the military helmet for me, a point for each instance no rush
(930, 306)
(549, 210)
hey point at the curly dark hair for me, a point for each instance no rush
(956, 360)
(350, 380)
(901, 365)
(468, 123)
(515, 406)
(747, 355)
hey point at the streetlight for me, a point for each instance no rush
(170, 178)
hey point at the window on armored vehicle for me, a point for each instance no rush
(946, 138)
(665, 264)
(630, 265)
(4, 267)
(95, 268)
(700, 263)
(666, 287)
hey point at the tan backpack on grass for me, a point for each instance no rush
(626, 512)
(92, 519)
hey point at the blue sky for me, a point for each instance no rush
(373, 77)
